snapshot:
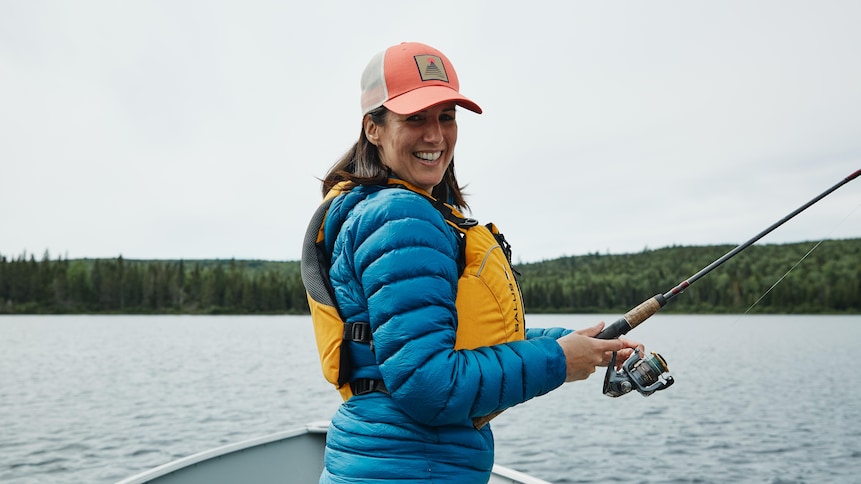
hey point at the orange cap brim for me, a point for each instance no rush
(425, 97)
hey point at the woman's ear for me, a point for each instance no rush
(372, 131)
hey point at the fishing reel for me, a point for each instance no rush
(646, 375)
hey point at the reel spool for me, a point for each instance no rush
(646, 375)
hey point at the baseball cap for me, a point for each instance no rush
(409, 77)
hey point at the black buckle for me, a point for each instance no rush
(363, 386)
(360, 332)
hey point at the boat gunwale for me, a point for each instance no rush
(498, 471)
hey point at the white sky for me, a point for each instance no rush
(198, 129)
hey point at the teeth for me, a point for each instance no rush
(429, 156)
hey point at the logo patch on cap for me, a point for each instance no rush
(431, 68)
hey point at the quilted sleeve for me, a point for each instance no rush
(554, 333)
(404, 259)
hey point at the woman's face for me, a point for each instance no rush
(417, 147)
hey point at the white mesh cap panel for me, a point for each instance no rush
(374, 90)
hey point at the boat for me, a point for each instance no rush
(294, 455)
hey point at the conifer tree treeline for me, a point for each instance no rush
(827, 281)
(131, 286)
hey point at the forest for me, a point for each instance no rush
(771, 278)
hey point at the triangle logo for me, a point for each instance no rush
(431, 68)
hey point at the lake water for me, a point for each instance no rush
(94, 399)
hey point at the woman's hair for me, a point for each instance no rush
(361, 165)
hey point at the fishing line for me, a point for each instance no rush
(827, 236)
(782, 277)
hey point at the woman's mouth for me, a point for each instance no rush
(429, 156)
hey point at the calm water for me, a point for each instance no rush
(94, 399)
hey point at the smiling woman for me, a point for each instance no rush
(416, 309)
(409, 127)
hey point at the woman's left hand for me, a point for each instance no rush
(621, 355)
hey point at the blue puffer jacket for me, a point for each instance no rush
(394, 265)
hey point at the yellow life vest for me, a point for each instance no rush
(489, 303)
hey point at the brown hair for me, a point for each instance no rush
(361, 165)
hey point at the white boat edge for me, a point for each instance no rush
(499, 475)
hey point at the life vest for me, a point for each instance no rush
(489, 302)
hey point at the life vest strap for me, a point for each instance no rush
(462, 223)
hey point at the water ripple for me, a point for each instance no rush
(96, 399)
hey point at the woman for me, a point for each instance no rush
(435, 337)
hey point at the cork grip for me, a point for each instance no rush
(644, 311)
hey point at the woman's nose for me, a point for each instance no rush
(433, 132)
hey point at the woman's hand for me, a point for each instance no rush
(583, 352)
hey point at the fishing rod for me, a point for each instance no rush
(650, 374)
(649, 307)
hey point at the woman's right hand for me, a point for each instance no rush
(584, 353)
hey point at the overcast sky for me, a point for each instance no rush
(199, 129)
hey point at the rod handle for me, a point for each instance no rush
(632, 318)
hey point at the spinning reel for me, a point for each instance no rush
(646, 375)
